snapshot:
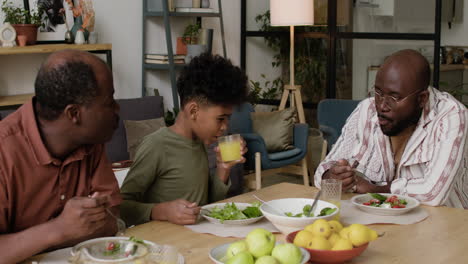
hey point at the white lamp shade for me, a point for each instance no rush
(291, 12)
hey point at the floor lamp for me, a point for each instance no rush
(292, 13)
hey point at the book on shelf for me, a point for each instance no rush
(152, 61)
(164, 56)
(194, 10)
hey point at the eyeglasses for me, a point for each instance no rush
(389, 100)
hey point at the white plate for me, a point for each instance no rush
(359, 199)
(240, 206)
(153, 247)
(217, 253)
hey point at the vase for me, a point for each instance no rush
(79, 38)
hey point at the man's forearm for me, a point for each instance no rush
(19, 246)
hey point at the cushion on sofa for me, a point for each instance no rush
(137, 130)
(149, 107)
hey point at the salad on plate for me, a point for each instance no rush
(382, 201)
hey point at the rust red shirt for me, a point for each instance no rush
(34, 186)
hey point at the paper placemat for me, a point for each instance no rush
(54, 257)
(231, 231)
(351, 215)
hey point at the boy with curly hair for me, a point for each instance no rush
(170, 177)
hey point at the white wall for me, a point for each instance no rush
(458, 34)
(120, 22)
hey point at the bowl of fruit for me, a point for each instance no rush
(232, 213)
(292, 214)
(259, 247)
(384, 204)
(330, 242)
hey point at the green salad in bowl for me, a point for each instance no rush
(232, 213)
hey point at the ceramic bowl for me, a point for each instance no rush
(275, 210)
(359, 199)
(330, 256)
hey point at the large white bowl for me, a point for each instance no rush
(359, 199)
(240, 206)
(274, 211)
(217, 253)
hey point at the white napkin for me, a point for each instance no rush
(231, 231)
(352, 215)
(53, 257)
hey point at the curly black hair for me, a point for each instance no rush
(212, 79)
(72, 82)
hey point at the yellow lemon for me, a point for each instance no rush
(319, 242)
(359, 234)
(342, 244)
(344, 232)
(335, 226)
(373, 234)
(303, 238)
(319, 228)
(333, 238)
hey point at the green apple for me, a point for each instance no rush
(235, 248)
(260, 242)
(266, 260)
(241, 258)
(287, 253)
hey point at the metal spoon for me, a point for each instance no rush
(314, 204)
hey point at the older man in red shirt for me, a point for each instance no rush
(56, 184)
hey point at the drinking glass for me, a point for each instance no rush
(230, 147)
(331, 192)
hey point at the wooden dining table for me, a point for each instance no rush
(440, 238)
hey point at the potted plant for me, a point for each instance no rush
(24, 21)
(191, 38)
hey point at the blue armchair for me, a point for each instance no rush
(257, 156)
(332, 115)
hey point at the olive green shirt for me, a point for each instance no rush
(168, 167)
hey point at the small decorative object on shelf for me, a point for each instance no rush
(80, 38)
(7, 35)
(22, 39)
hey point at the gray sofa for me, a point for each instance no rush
(150, 107)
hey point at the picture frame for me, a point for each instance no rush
(57, 19)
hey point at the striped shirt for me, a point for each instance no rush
(434, 165)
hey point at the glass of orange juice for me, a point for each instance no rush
(230, 147)
(331, 192)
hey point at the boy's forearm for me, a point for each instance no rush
(159, 212)
(223, 174)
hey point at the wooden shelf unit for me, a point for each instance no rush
(15, 100)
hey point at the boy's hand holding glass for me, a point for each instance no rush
(230, 151)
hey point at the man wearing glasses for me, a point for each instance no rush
(408, 139)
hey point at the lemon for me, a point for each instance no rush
(303, 238)
(335, 226)
(373, 234)
(319, 242)
(342, 244)
(359, 234)
(344, 232)
(333, 238)
(319, 228)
